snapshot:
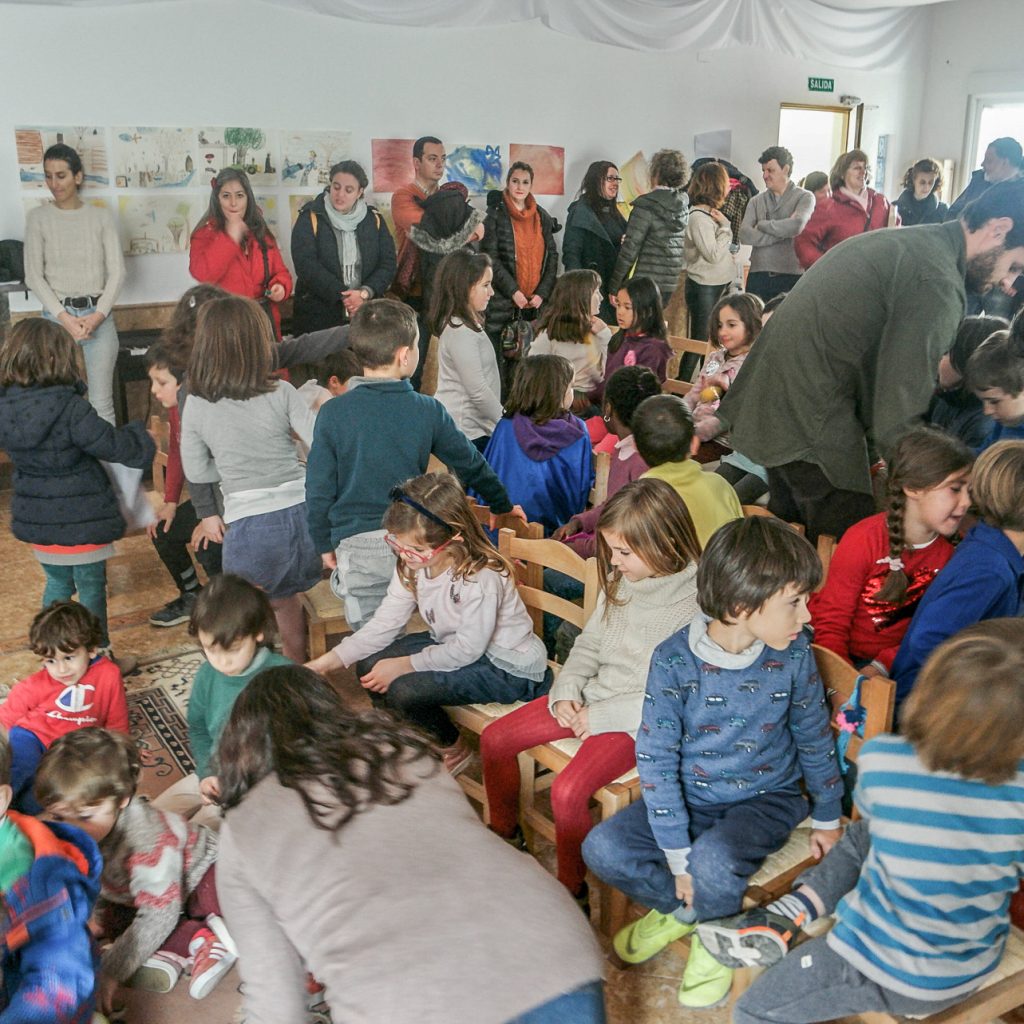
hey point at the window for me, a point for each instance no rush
(989, 117)
(816, 136)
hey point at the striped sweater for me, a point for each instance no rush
(930, 914)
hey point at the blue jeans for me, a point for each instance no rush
(583, 1005)
(730, 842)
(420, 697)
(90, 583)
(100, 354)
(26, 752)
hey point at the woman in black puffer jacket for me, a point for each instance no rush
(519, 236)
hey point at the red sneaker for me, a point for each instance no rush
(213, 954)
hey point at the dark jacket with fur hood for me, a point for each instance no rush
(654, 240)
(500, 244)
(315, 254)
(62, 495)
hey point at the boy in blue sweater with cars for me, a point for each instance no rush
(368, 441)
(734, 718)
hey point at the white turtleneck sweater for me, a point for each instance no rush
(607, 667)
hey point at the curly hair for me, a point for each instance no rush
(926, 165)
(669, 167)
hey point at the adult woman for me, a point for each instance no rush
(345, 851)
(710, 267)
(74, 266)
(343, 252)
(919, 201)
(853, 209)
(233, 247)
(654, 233)
(519, 236)
(594, 228)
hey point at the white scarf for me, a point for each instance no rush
(345, 225)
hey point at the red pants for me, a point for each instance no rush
(598, 761)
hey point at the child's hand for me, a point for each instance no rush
(823, 839)
(571, 527)
(209, 531)
(329, 560)
(108, 994)
(209, 790)
(565, 711)
(385, 672)
(165, 516)
(581, 724)
(328, 662)
(684, 889)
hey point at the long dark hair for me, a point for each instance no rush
(253, 214)
(539, 387)
(592, 187)
(648, 311)
(289, 721)
(457, 274)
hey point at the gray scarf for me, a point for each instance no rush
(345, 225)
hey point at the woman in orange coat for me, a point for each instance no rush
(232, 247)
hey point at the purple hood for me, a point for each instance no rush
(541, 442)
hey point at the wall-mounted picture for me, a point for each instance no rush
(548, 163)
(477, 167)
(392, 163)
(636, 181)
(89, 142)
(296, 203)
(270, 206)
(154, 157)
(155, 224)
(307, 157)
(253, 150)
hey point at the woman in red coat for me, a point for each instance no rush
(232, 247)
(853, 209)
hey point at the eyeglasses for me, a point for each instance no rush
(612, 177)
(411, 555)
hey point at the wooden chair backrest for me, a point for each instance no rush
(506, 521)
(532, 557)
(602, 467)
(681, 346)
(162, 430)
(676, 387)
(760, 510)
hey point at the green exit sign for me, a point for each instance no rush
(821, 84)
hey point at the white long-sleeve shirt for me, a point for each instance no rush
(468, 381)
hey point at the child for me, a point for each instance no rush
(234, 624)
(338, 369)
(75, 688)
(954, 406)
(382, 433)
(883, 565)
(63, 504)
(158, 901)
(626, 389)
(647, 562)
(733, 718)
(176, 521)
(49, 880)
(468, 380)
(569, 326)
(983, 578)
(920, 922)
(237, 428)
(664, 434)
(734, 323)
(481, 645)
(995, 373)
(539, 450)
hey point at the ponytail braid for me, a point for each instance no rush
(894, 589)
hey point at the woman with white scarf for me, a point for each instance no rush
(343, 252)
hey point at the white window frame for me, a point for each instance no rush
(976, 103)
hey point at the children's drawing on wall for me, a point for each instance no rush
(270, 207)
(636, 181)
(155, 224)
(392, 163)
(154, 157)
(307, 157)
(253, 150)
(89, 142)
(476, 167)
(296, 203)
(548, 163)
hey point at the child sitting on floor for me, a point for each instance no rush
(75, 688)
(49, 880)
(921, 884)
(983, 578)
(480, 646)
(647, 564)
(995, 373)
(539, 450)
(734, 718)
(664, 434)
(158, 902)
(885, 563)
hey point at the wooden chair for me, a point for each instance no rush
(676, 387)
(161, 428)
(760, 510)
(602, 466)
(681, 346)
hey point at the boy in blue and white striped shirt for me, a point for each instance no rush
(921, 886)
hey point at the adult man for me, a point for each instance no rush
(1003, 161)
(772, 220)
(849, 360)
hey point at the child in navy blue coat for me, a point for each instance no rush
(734, 718)
(539, 450)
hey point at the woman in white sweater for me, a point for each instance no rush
(468, 379)
(647, 555)
(707, 245)
(74, 266)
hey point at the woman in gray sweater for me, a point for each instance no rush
(346, 852)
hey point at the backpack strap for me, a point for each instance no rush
(313, 221)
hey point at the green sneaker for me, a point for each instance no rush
(706, 983)
(647, 937)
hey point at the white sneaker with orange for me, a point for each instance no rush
(213, 953)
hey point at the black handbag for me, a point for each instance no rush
(516, 337)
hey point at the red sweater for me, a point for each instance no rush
(174, 474)
(836, 219)
(216, 259)
(845, 613)
(48, 709)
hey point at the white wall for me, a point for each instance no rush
(235, 62)
(975, 48)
